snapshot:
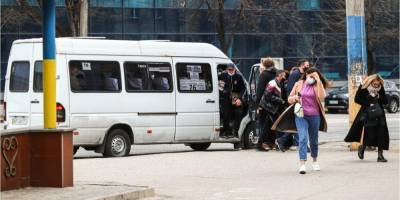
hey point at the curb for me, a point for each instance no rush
(129, 195)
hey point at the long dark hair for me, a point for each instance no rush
(301, 61)
(321, 77)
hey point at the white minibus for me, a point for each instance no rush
(118, 93)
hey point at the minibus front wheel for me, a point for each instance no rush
(200, 146)
(117, 144)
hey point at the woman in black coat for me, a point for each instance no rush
(376, 132)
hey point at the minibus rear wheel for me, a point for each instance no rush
(117, 144)
(200, 146)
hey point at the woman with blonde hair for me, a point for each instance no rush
(370, 122)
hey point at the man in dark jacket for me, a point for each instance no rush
(232, 89)
(287, 139)
(272, 103)
(266, 76)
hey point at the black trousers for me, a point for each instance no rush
(262, 114)
(231, 113)
(268, 135)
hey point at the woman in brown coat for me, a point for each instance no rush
(309, 91)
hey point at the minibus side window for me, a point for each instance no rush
(95, 76)
(19, 80)
(148, 77)
(194, 77)
(38, 77)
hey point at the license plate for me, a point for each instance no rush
(333, 102)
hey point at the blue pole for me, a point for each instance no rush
(49, 64)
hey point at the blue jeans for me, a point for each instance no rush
(307, 129)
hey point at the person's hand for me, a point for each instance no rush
(238, 102)
(316, 77)
(296, 98)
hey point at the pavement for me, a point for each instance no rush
(81, 191)
(225, 174)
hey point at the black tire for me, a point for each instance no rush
(200, 146)
(250, 138)
(117, 144)
(393, 106)
(75, 150)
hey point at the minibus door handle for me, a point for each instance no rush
(210, 101)
(35, 101)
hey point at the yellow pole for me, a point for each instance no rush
(49, 93)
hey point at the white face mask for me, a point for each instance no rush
(373, 91)
(310, 81)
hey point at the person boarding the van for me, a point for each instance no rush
(265, 77)
(232, 89)
(273, 103)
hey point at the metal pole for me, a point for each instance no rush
(49, 64)
(356, 53)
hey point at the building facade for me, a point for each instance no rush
(245, 30)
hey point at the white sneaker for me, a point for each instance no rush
(315, 166)
(302, 169)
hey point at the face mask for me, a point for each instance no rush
(231, 73)
(310, 81)
(373, 90)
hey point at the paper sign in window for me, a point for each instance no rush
(192, 85)
(86, 66)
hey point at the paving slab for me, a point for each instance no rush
(81, 191)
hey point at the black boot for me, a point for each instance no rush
(361, 150)
(380, 156)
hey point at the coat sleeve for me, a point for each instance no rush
(292, 95)
(262, 82)
(269, 96)
(362, 97)
(382, 97)
(321, 91)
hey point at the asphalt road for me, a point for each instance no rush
(221, 173)
(338, 127)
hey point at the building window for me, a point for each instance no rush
(308, 4)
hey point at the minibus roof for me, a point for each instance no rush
(96, 46)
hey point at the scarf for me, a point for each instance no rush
(373, 91)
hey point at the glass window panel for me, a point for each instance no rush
(139, 20)
(105, 20)
(145, 76)
(106, 3)
(138, 3)
(194, 77)
(38, 77)
(95, 76)
(19, 79)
